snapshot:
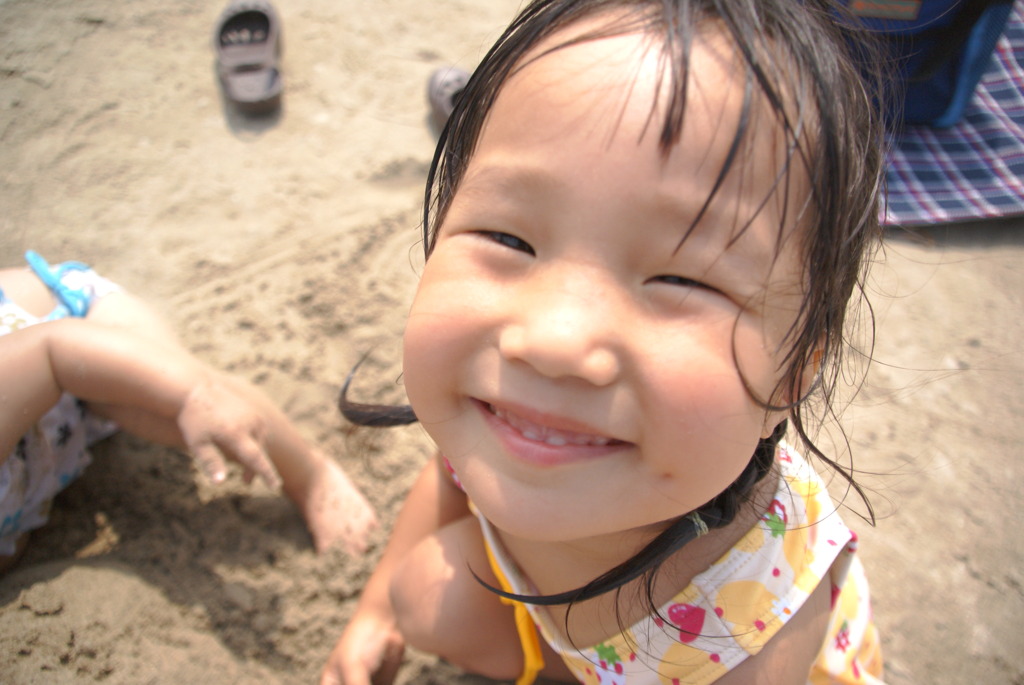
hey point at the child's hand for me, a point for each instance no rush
(368, 653)
(218, 422)
(336, 512)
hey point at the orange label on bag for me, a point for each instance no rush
(902, 10)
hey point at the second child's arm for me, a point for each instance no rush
(158, 391)
(110, 368)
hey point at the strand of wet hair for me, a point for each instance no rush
(372, 415)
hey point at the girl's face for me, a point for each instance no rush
(582, 374)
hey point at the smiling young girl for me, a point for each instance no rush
(645, 223)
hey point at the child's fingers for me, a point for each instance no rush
(253, 458)
(354, 662)
(249, 455)
(210, 462)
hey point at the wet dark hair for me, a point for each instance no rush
(808, 64)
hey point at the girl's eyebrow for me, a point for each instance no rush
(509, 176)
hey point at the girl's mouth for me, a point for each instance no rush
(546, 434)
(546, 440)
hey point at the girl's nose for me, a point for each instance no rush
(563, 331)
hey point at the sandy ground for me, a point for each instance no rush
(284, 249)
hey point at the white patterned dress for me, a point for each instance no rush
(53, 453)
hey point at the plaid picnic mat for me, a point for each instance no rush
(974, 170)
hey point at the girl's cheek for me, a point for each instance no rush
(432, 338)
(421, 370)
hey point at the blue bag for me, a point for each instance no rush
(939, 48)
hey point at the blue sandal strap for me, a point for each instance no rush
(76, 302)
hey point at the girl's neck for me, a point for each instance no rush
(561, 566)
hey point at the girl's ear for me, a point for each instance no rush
(803, 385)
(809, 375)
(811, 372)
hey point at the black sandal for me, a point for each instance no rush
(247, 42)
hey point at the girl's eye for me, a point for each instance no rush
(682, 281)
(510, 241)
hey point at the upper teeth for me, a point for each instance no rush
(547, 435)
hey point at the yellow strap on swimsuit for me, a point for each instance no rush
(533, 660)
